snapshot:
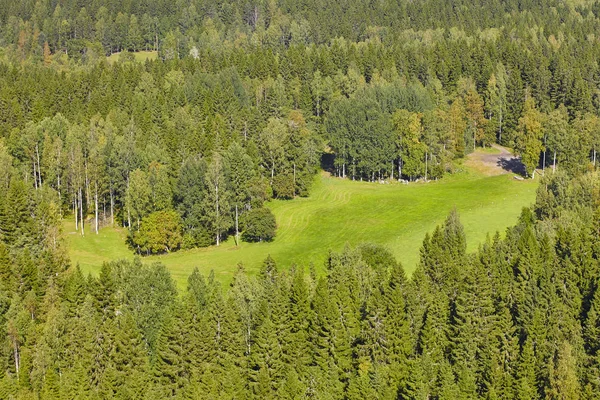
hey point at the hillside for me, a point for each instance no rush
(340, 212)
(299, 199)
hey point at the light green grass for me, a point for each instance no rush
(140, 56)
(488, 150)
(337, 213)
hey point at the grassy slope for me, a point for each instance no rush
(339, 212)
(140, 56)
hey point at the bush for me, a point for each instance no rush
(159, 232)
(258, 225)
(126, 56)
(283, 186)
(198, 237)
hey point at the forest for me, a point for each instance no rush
(248, 101)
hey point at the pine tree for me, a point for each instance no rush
(129, 359)
(106, 290)
(591, 328)
(433, 343)
(75, 289)
(7, 280)
(398, 338)
(296, 349)
(18, 226)
(51, 388)
(268, 270)
(267, 361)
(197, 289)
(514, 104)
(171, 369)
(472, 325)
(499, 378)
(324, 323)
(526, 387)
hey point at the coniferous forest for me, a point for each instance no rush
(247, 101)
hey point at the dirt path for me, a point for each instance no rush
(496, 162)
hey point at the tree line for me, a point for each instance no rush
(105, 172)
(517, 319)
(107, 26)
(199, 144)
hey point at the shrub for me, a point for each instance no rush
(283, 186)
(258, 225)
(159, 232)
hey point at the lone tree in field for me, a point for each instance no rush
(529, 137)
(259, 225)
(160, 232)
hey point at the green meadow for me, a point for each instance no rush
(338, 213)
(140, 56)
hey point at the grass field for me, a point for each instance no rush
(337, 213)
(140, 56)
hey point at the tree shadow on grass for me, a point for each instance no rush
(513, 165)
(327, 164)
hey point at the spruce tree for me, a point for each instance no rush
(170, 367)
(129, 359)
(322, 328)
(526, 384)
(296, 349)
(399, 341)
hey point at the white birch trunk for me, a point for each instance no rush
(81, 211)
(399, 167)
(35, 182)
(96, 206)
(544, 162)
(272, 170)
(237, 232)
(38, 162)
(17, 357)
(112, 215)
(75, 212)
(218, 215)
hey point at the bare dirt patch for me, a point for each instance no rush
(495, 161)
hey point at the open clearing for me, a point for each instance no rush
(140, 56)
(337, 213)
(495, 160)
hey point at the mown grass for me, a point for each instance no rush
(140, 56)
(337, 213)
(488, 150)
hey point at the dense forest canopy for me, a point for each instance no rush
(517, 319)
(245, 102)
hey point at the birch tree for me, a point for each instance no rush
(270, 142)
(530, 132)
(217, 200)
(556, 133)
(138, 199)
